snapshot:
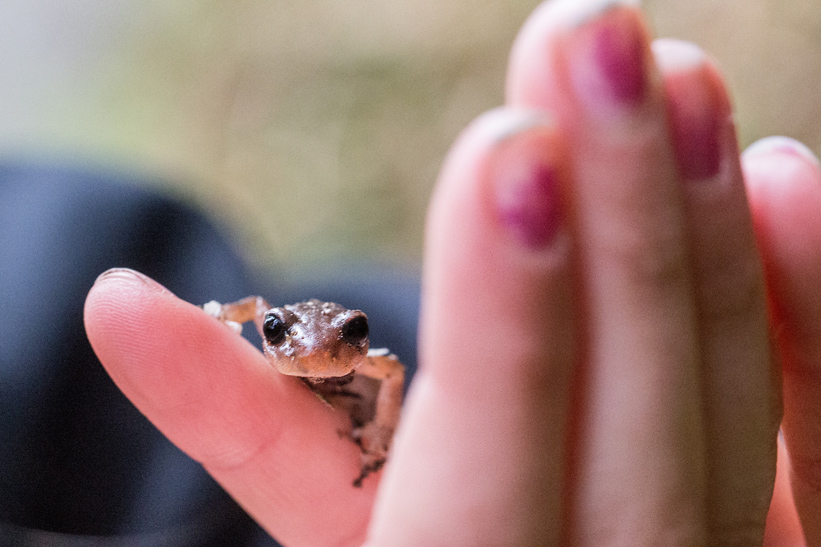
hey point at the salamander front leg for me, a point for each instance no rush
(375, 436)
(234, 314)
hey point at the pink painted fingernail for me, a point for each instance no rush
(526, 186)
(607, 57)
(528, 206)
(699, 108)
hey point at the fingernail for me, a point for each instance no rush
(130, 275)
(768, 145)
(526, 185)
(607, 57)
(699, 108)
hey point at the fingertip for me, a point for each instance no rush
(139, 330)
(778, 170)
(497, 228)
(700, 110)
(497, 234)
(117, 290)
(501, 186)
(777, 144)
(783, 179)
(783, 182)
(117, 297)
(774, 164)
(535, 76)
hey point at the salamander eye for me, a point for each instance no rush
(355, 331)
(273, 329)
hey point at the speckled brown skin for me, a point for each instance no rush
(326, 345)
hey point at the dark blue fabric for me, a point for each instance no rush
(79, 465)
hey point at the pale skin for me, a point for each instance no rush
(607, 376)
(327, 345)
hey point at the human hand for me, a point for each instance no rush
(595, 353)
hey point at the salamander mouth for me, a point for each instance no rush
(319, 367)
(333, 381)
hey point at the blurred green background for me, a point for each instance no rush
(315, 129)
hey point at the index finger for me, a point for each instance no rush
(264, 437)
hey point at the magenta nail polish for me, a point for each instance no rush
(699, 113)
(607, 59)
(528, 205)
(619, 53)
(697, 143)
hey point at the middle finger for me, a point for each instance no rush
(640, 455)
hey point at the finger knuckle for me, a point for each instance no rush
(647, 257)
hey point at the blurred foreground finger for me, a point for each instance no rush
(784, 183)
(479, 456)
(741, 391)
(640, 464)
